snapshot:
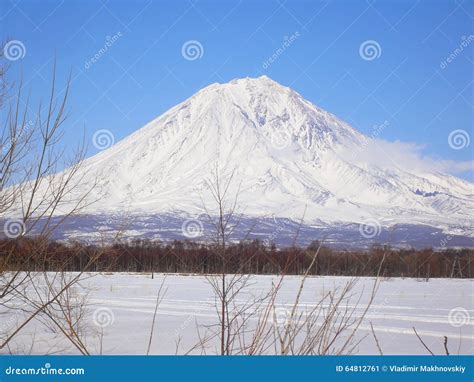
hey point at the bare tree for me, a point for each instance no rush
(37, 180)
(251, 324)
(226, 287)
(3, 71)
(159, 298)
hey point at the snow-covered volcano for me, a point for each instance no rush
(287, 155)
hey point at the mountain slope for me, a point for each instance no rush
(288, 156)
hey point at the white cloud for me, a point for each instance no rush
(407, 156)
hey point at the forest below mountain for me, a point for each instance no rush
(251, 257)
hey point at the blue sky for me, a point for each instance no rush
(408, 86)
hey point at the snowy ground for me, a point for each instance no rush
(124, 304)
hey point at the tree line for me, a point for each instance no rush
(251, 257)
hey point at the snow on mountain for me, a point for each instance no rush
(288, 155)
